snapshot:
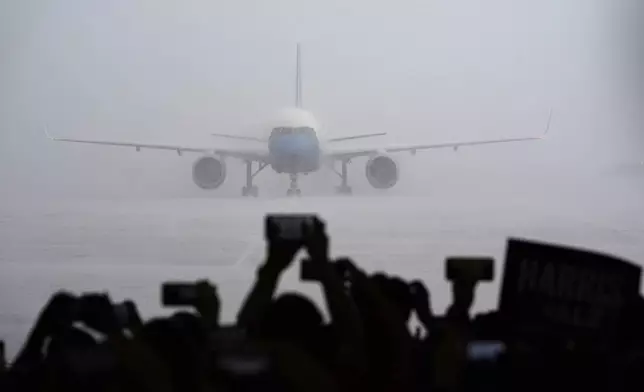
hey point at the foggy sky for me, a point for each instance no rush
(424, 71)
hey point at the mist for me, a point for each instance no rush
(423, 72)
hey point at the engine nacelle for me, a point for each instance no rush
(209, 172)
(382, 172)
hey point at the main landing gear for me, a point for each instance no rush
(293, 189)
(250, 189)
(344, 188)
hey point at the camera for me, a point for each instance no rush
(475, 269)
(178, 294)
(289, 227)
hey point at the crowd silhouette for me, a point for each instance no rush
(555, 327)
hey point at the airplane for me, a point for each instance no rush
(295, 144)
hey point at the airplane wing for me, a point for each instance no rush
(257, 154)
(342, 154)
(356, 152)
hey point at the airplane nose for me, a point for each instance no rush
(294, 153)
(294, 146)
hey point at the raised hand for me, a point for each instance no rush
(317, 242)
(208, 303)
(420, 295)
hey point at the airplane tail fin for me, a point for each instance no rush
(298, 77)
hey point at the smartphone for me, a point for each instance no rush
(479, 269)
(289, 227)
(178, 293)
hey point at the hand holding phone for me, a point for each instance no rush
(293, 228)
(317, 242)
(420, 295)
(286, 235)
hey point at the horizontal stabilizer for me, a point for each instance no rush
(341, 139)
(237, 137)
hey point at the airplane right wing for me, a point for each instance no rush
(343, 154)
(356, 152)
(256, 154)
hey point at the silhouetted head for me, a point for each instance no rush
(291, 316)
(180, 343)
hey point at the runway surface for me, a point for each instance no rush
(128, 247)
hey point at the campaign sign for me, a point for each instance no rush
(565, 291)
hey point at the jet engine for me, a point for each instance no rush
(209, 172)
(382, 172)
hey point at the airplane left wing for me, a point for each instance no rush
(257, 154)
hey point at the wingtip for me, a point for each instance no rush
(545, 133)
(46, 132)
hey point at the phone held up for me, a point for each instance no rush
(178, 293)
(298, 229)
(290, 227)
(474, 269)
